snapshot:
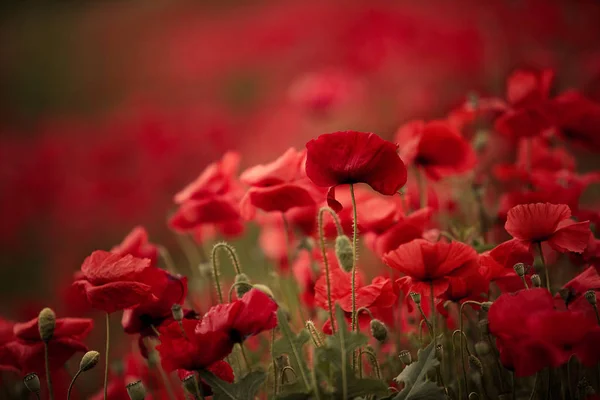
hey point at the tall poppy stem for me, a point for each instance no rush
(321, 227)
(545, 267)
(215, 264)
(72, 383)
(462, 335)
(433, 318)
(47, 365)
(354, 243)
(106, 356)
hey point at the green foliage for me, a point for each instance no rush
(245, 389)
(414, 377)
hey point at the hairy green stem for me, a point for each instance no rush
(215, 264)
(106, 356)
(47, 365)
(539, 244)
(72, 383)
(354, 244)
(340, 231)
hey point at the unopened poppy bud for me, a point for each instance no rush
(136, 390)
(485, 306)
(519, 269)
(177, 312)
(242, 285)
(32, 383)
(46, 324)
(482, 348)
(484, 326)
(416, 297)
(344, 253)
(378, 330)
(536, 281)
(405, 357)
(590, 296)
(439, 352)
(473, 396)
(475, 363)
(89, 360)
(265, 289)
(190, 384)
(314, 333)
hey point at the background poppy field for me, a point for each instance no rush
(110, 111)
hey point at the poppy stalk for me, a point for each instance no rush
(288, 244)
(354, 240)
(106, 356)
(340, 231)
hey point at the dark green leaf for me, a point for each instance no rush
(414, 377)
(245, 389)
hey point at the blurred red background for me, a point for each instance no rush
(108, 108)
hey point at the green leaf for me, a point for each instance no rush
(245, 389)
(414, 377)
(291, 345)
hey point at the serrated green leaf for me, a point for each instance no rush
(245, 389)
(291, 345)
(414, 377)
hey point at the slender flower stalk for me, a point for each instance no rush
(354, 326)
(106, 356)
(422, 185)
(215, 264)
(47, 366)
(539, 245)
(321, 228)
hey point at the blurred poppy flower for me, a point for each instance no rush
(428, 265)
(497, 264)
(551, 223)
(136, 244)
(255, 312)
(571, 296)
(436, 147)
(379, 296)
(190, 350)
(110, 282)
(153, 312)
(24, 352)
(350, 157)
(578, 119)
(279, 186)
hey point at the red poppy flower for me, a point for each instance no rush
(306, 275)
(189, 349)
(497, 264)
(436, 147)
(403, 230)
(551, 223)
(572, 294)
(136, 244)
(110, 282)
(564, 185)
(528, 96)
(531, 334)
(135, 368)
(254, 313)
(279, 186)
(154, 311)
(212, 199)
(426, 264)
(354, 157)
(379, 296)
(578, 119)
(473, 286)
(221, 369)
(25, 351)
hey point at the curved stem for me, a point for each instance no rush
(72, 383)
(215, 264)
(106, 356)
(47, 365)
(322, 211)
(354, 243)
(462, 350)
(545, 267)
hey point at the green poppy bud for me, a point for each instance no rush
(46, 324)
(344, 253)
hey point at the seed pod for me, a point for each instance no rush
(590, 296)
(405, 357)
(242, 285)
(344, 253)
(32, 383)
(416, 297)
(378, 330)
(136, 390)
(265, 289)
(482, 348)
(89, 360)
(46, 324)
(536, 281)
(485, 306)
(177, 312)
(519, 269)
